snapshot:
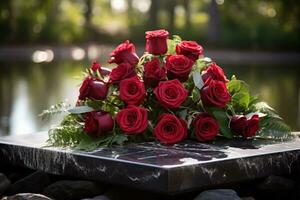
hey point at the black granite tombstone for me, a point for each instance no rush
(158, 168)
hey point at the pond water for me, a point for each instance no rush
(27, 88)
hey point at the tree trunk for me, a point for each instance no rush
(88, 18)
(153, 14)
(130, 14)
(214, 23)
(186, 5)
(171, 12)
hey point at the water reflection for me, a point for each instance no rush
(28, 88)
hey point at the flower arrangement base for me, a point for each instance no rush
(155, 167)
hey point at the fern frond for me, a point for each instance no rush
(263, 107)
(71, 134)
(55, 110)
(274, 128)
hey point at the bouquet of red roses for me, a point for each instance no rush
(171, 93)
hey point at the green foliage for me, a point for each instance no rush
(172, 44)
(234, 86)
(263, 107)
(274, 128)
(195, 95)
(240, 95)
(223, 121)
(271, 125)
(240, 101)
(54, 110)
(70, 133)
(201, 64)
(183, 114)
(80, 109)
(66, 135)
(88, 143)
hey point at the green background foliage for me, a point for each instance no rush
(256, 24)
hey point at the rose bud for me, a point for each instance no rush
(132, 120)
(95, 66)
(170, 129)
(132, 91)
(125, 52)
(103, 71)
(190, 49)
(170, 94)
(205, 127)
(215, 93)
(153, 73)
(93, 89)
(239, 124)
(98, 123)
(178, 67)
(122, 71)
(214, 72)
(156, 42)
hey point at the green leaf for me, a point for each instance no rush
(182, 114)
(223, 121)
(55, 110)
(68, 134)
(199, 65)
(235, 86)
(274, 128)
(195, 95)
(253, 100)
(120, 139)
(177, 38)
(207, 59)
(171, 46)
(198, 80)
(240, 101)
(80, 109)
(263, 107)
(89, 143)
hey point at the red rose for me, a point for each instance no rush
(95, 66)
(98, 123)
(215, 93)
(103, 71)
(170, 129)
(153, 72)
(190, 49)
(214, 72)
(132, 120)
(178, 67)
(205, 127)
(132, 91)
(122, 71)
(156, 42)
(171, 94)
(93, 89)
(239, 124)
(125, 52)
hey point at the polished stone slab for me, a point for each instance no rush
(159, 168)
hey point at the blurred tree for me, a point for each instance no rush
(88, 11)
(186, 4)
(214, 23)
(7, 19)
(256, 24)
(153, 13)
(170, 7)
